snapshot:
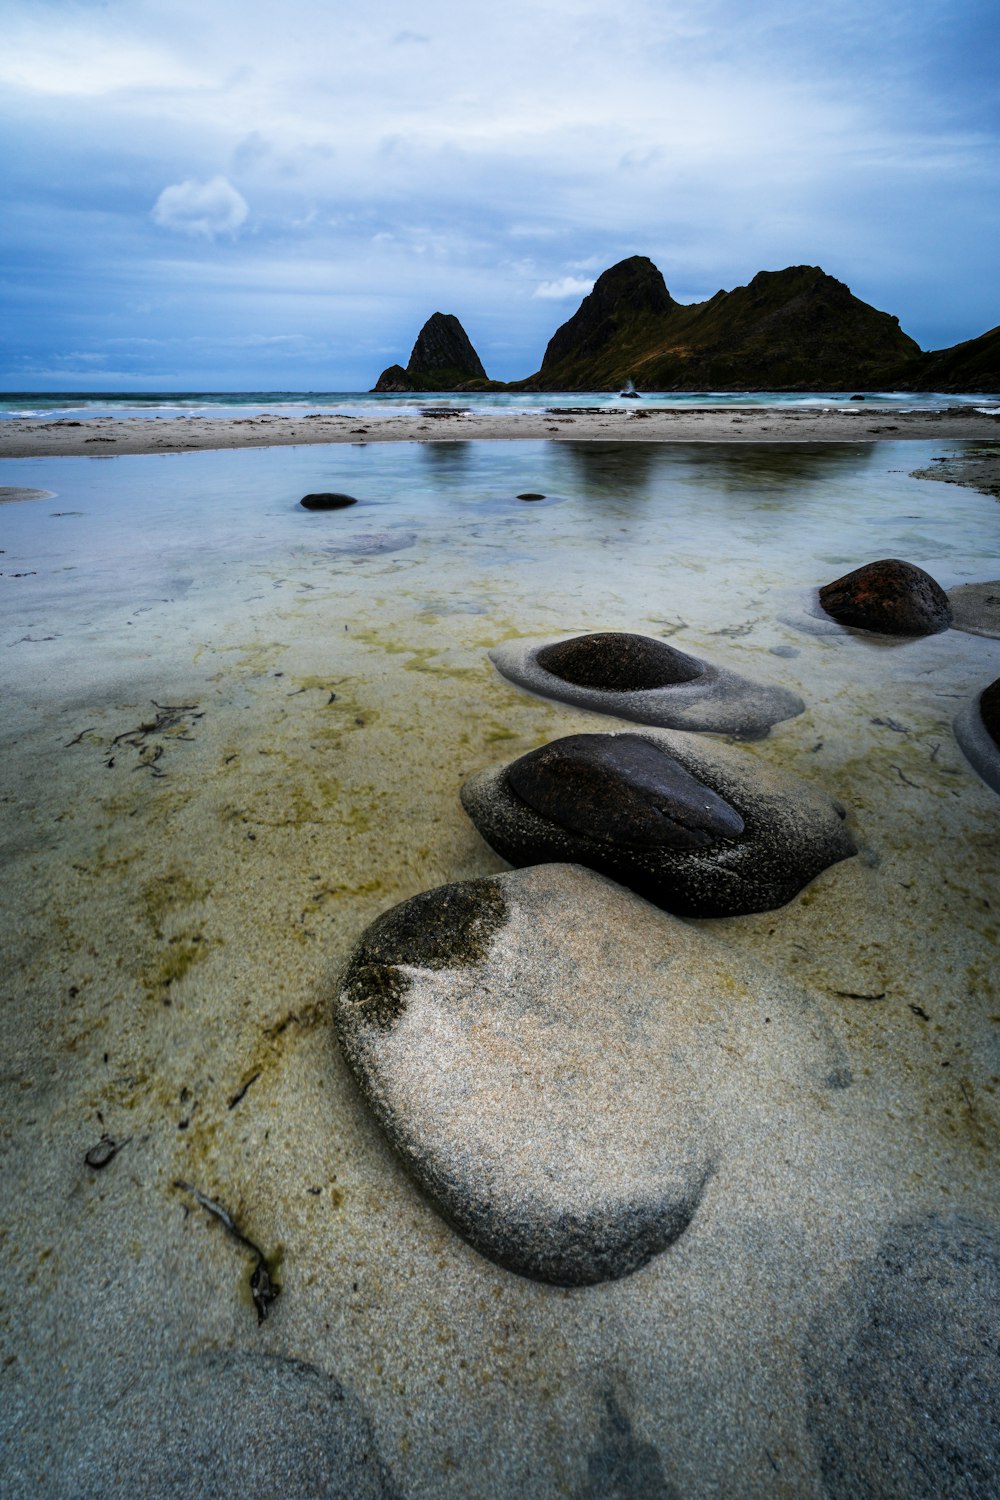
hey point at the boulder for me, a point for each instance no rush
(977, 730)
(888, 596)
(646, 680)
(232, 1422)
(975, 608)
(560, 1066)
(327, 500)
(701, 830)
(903, 1395)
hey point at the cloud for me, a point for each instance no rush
(201, 208)
(568, 286)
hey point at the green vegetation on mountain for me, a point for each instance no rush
(972, 366)
(796, 329)
(791, 329)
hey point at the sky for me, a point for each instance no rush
(240, 195)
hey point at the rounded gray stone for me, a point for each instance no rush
(228, 1424)
(556, 1063)
(903, 1368)
(976, 742)
(712, 699)
(975, 608)
(791, 832)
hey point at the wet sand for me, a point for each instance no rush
(863, 424)
(232, 745)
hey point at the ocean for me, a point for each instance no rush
(78, 406)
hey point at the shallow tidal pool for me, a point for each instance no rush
(234, 733)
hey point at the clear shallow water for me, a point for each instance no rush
(73, 406)
(173, 926)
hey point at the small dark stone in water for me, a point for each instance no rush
(989, 711)
(530, 495)
(615, 661)
(327, 501)
(621, 789)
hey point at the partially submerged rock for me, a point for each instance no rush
(640, 678)
(977, 730)
(890, 597)
(903, 1395)
(975, 608)
(327, 500)
(559, 1064)
(227, 1423)
(703, 830)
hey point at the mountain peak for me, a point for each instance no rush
(625, 296)
(442, 359)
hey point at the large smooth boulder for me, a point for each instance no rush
(902, 1368)
(977, 730)
(700, 829)
(646, 680)
(229, 1423)
(560, 1065)
(890, 597)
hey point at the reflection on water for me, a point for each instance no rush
(747, 467)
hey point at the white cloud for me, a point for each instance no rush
(568, 286)
(201, 208)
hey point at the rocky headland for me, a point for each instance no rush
(794, 329)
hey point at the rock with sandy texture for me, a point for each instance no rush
(703, 830)
(977, 730)
(327, 500)
(902, 1370)
(560, 1065)
(640, 678)
(975, 608)
(890, 597)
(230, 1423)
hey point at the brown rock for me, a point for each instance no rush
(618, 662)
(888, 596)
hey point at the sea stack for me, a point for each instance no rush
(443, 359)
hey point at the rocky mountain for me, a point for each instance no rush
(970, 366)
(443, 359)
(796, 329)
(792, 329)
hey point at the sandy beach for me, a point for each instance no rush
(32, 439)
(235, 733)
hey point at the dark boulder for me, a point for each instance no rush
(230, 1422)
(702, 830)
(617, 662)
(989, 711)
(620, 789)
(327, 500)
(977, 730)
(902, 1394)
(888, 596)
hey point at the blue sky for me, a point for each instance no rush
(204, 194)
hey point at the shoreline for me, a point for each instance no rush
(105, 436)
